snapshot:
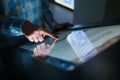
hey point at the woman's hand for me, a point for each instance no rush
(36, 33)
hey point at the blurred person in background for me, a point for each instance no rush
(31, 18)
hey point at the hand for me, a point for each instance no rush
(36, 33)
(62, 26)
(43, 49)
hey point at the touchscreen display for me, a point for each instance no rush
(76, 47)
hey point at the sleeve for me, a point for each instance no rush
(48, 16)
(11, 26)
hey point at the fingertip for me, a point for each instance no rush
(56, 37)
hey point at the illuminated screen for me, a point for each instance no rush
(67, 3)
(76, 47)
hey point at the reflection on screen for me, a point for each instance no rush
(81, 45)
(43, 49)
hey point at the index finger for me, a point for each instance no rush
(52, 35)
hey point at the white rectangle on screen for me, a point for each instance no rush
(81, 45)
